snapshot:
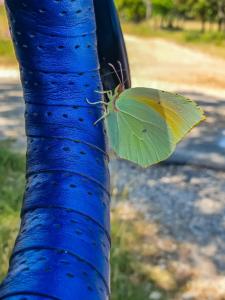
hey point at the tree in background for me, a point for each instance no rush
(148, 5)
(200, 10)
(138, 10)
(133, 10)
(169, 11)
(164, 9)
(220, 12)
(181, 9)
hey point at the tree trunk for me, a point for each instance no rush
(148, 5)
(203, 25)
(162, 22)
(170, 23)
(220, 15)
(219, 25)
(62, 251)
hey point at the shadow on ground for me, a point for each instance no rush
(205, 145)
(12, 114)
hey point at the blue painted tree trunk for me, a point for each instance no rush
(62, 251)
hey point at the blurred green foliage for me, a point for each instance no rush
(217, 38)
(132, 10)
(172, 10)
(4, 32)
(6, 50)
(12, 181)
(7, 55)
(128, 281)
(162, 7)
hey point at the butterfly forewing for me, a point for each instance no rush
(181, 114)
(142, 143)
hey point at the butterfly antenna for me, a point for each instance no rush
(114, 69)
(121, 71)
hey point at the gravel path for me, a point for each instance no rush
(186, 207)
(189, 202)
(12, 113)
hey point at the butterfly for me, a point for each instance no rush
(144, 125)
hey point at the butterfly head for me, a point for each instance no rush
(113, 96)
(119, 74)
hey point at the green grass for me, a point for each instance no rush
(193, 36)
(4, 32)
(7, 56)
(12, 181)
(135, 258)
(12, 170)
(211, 42)
(129, 281)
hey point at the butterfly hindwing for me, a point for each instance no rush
(113, 130)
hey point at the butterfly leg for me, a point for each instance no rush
(102, 92)
(98, 102)
(108, 93)
(102, 117)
